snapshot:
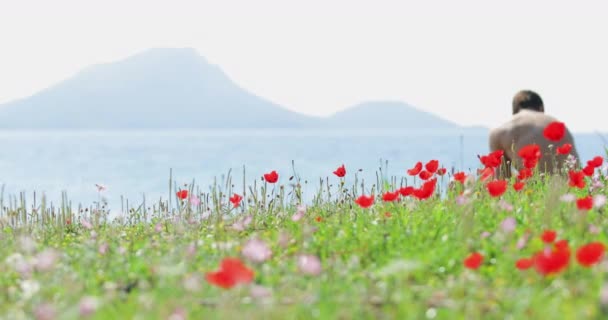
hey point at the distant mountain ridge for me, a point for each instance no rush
(178, 89)
(387, 114)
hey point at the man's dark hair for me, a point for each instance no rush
(529, 100)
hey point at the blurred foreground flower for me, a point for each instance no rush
(182, 194)
(236, 200)
(497, 188)
(585, 203)
(178, 314)
(86, 224)
(590, 254)
(460, 177)
(568, 197)
(473, 261)
(309, 265)
(524, 263)
(260, 292)
(553, 261)
(45, 312)
(88, 306)
(415, 170)
(232, 272)
(103, 248)
(599, 201)
(300, 212)
(462, 200)
(256, 250)
(365, 201)
(505, 205)
(241, 224)
(27, 244)
(45, 260)
(548, 236)
(564, 149)
(390, 196)
(508, 225)
(554, 131)
(194, 200)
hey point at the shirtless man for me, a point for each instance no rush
(526, 127)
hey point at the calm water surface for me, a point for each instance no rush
(136, 163)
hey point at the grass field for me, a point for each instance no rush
(337, 258)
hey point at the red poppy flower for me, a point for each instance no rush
(588, 170)
(220, 279)
(577, 179)
(237, 269)
(555, 131)
(585, 203)
(473, 261)
(518, 186)
(182, 194)
(497, 154)
(493, 159)
(390, 196)
(415, 170)
(564, 149)
(497, 188)
(406, 191)
(552, 262)
(425, 175)
(548, 236)
(432, 166)
(388, 214)
(365, 201)
(340, 172)
(236, 200)
(549, 262)
(530, 152)
(441, 171)
(530, 163)
(486, 173)
(596, 162)
(524, 263)
(231, 273)
(590, 254)
(562, 245)
(318, 219)
(524, 174)
(271, 177)
(426, 190)
(486, 161)
(460, 177)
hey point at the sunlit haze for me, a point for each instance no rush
(462, 60)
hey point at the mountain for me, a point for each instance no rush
(387, 114)
(178, 89)
(159, 88)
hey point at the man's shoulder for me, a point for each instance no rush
(526, 117)
(499, 134)
(502, 129)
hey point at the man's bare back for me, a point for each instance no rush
(525, 128)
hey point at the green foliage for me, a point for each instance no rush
(405, 265)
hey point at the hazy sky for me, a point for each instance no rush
(462, 59)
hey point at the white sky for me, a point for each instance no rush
(462, 59)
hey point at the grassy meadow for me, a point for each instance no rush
(337, 257)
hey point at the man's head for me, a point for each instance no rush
(528, 100)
